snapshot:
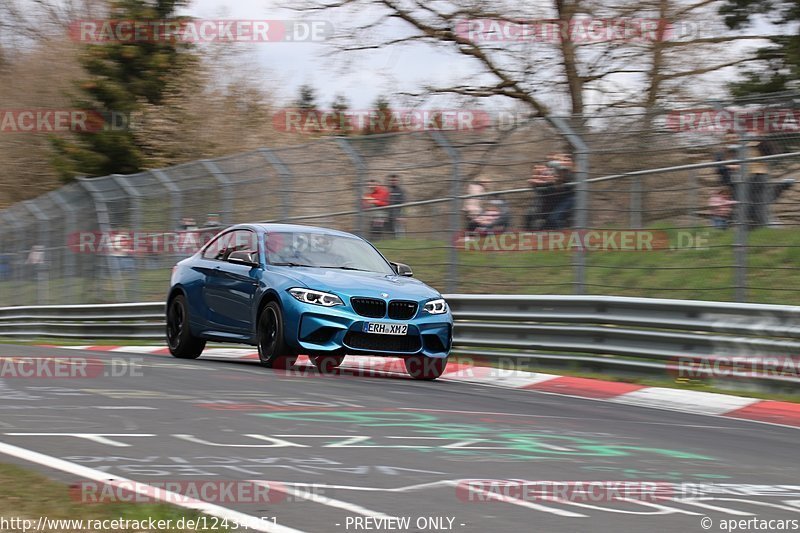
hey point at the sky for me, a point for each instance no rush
(283, 67)
(287, 66)
(362, 76)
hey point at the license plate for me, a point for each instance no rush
(386, 329)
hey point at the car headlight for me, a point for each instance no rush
(436, 307)
(309, 296)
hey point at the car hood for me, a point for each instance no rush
(353, 283)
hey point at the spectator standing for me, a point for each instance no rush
(542, 182)
(721, 204)
(187, 224)
(473, 207)
(495, 219)
(377, 196)
(212, 221)
(36, 261)
(563, 195)
(757, 191)
(397, 196)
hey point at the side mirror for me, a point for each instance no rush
(403, 270)
(244, 257)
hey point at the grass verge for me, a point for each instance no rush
(28, 495)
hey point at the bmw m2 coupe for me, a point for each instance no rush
(304, 290)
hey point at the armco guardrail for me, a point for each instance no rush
(606, 331)
(110, 321)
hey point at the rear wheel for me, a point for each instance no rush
(426, 368)
(182, 344)
(272, 349)
(327, 363)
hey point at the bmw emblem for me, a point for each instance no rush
(384, 295)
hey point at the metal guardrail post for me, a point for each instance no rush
(286, 180)
(455, 213)
(581, 196)
(361, 178)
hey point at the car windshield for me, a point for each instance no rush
(321, 250)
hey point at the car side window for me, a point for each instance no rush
(220, 248)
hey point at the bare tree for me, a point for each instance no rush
(681, 41)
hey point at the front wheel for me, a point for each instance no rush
(182, 344)
(425, 368)
(327, 363)
(272, 349)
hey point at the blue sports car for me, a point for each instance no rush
(299, 289)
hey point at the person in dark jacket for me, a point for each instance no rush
(563, 195)
(397, 196)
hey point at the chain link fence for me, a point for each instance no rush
(695, 204)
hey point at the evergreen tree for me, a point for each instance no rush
(380, 120)
(122, 77)
(340, 106)
(307, 100)
(780, 62)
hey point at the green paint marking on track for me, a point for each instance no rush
(528, 445)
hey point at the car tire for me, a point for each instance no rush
(182, 344)
(326, 364)
(425, 368)
(272, 349)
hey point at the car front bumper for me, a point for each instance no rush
(340, 330)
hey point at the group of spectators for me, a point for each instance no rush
(385, 222)
(754, 190)
(553, 202)
(485, 215)
(551, 208)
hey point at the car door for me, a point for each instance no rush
(230, 288)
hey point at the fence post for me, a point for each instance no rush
(41, 270)
(581, 196)
(742, 186)
(455, 213)
(13, 228)
(175, 196)
(104, 225)
(225, 182)
(71, 288)
(135, 197)
(286, 180)
(361, 173)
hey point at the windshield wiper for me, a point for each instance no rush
(293, 265)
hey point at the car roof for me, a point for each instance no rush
(298, 228)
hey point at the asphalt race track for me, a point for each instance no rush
(346, 452)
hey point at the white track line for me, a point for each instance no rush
(284, 486)
(324, 500)
(172, 498)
